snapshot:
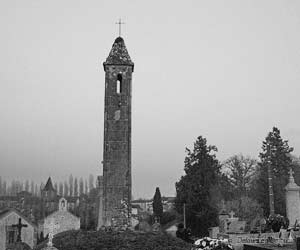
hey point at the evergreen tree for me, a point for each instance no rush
(4, 188)
(60, 189)
(81, 186)
(276, 154)
(86, 187)
(196, 189)
(36, 192)
(66, 189)
(76, 187)
(27, 185)
(71, 184)
(32, 187)
(157, 204)
(1, 187)
(91, 182)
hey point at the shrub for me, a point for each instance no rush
(128, 240)
(275, 222)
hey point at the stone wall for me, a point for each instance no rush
(64, 219)
(117, 144)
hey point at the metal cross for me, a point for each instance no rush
(120, 26)
(19, 227)
(51, 227)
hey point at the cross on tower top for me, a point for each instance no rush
(19, 227)
(120, 26)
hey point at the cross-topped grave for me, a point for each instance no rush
(232, 214)
(19, 226)
(120, 26)
(51, 227)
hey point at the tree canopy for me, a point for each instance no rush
(276, 153)
(240, 171)
(157, 204)
(198, 185)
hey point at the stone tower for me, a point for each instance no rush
(118, 69)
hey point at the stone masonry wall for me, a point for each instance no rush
(117, 144)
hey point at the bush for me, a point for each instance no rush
(275, 222)
(129, 240)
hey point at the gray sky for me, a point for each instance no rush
(227, 70)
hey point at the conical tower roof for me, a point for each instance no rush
(49, 185)
(118, 54)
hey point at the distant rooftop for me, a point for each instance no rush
(49, 185)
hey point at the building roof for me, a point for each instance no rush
(49, 185)
(12, 210)
(118, 54)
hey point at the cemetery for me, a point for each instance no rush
(201, 216)
(239, 203)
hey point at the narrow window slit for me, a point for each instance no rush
(119, 84)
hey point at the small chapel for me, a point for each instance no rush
(59, 221)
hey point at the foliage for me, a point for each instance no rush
(276, 222)
(165, 218)
(128, 240)
(240, 171)
(202, 174)
(157, 204)
(244, 208)
(276, 152)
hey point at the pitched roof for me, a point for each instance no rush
(12, 210)
(49, 186)
(118, 54)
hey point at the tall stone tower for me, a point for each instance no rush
(118, 69)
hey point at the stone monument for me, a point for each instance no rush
(292, 200)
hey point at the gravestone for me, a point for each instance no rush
(234, 225)
(156, 225)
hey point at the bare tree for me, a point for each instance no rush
(240, 171)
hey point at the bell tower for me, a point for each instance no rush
(118, 69)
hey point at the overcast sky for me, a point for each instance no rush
(226, 70)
